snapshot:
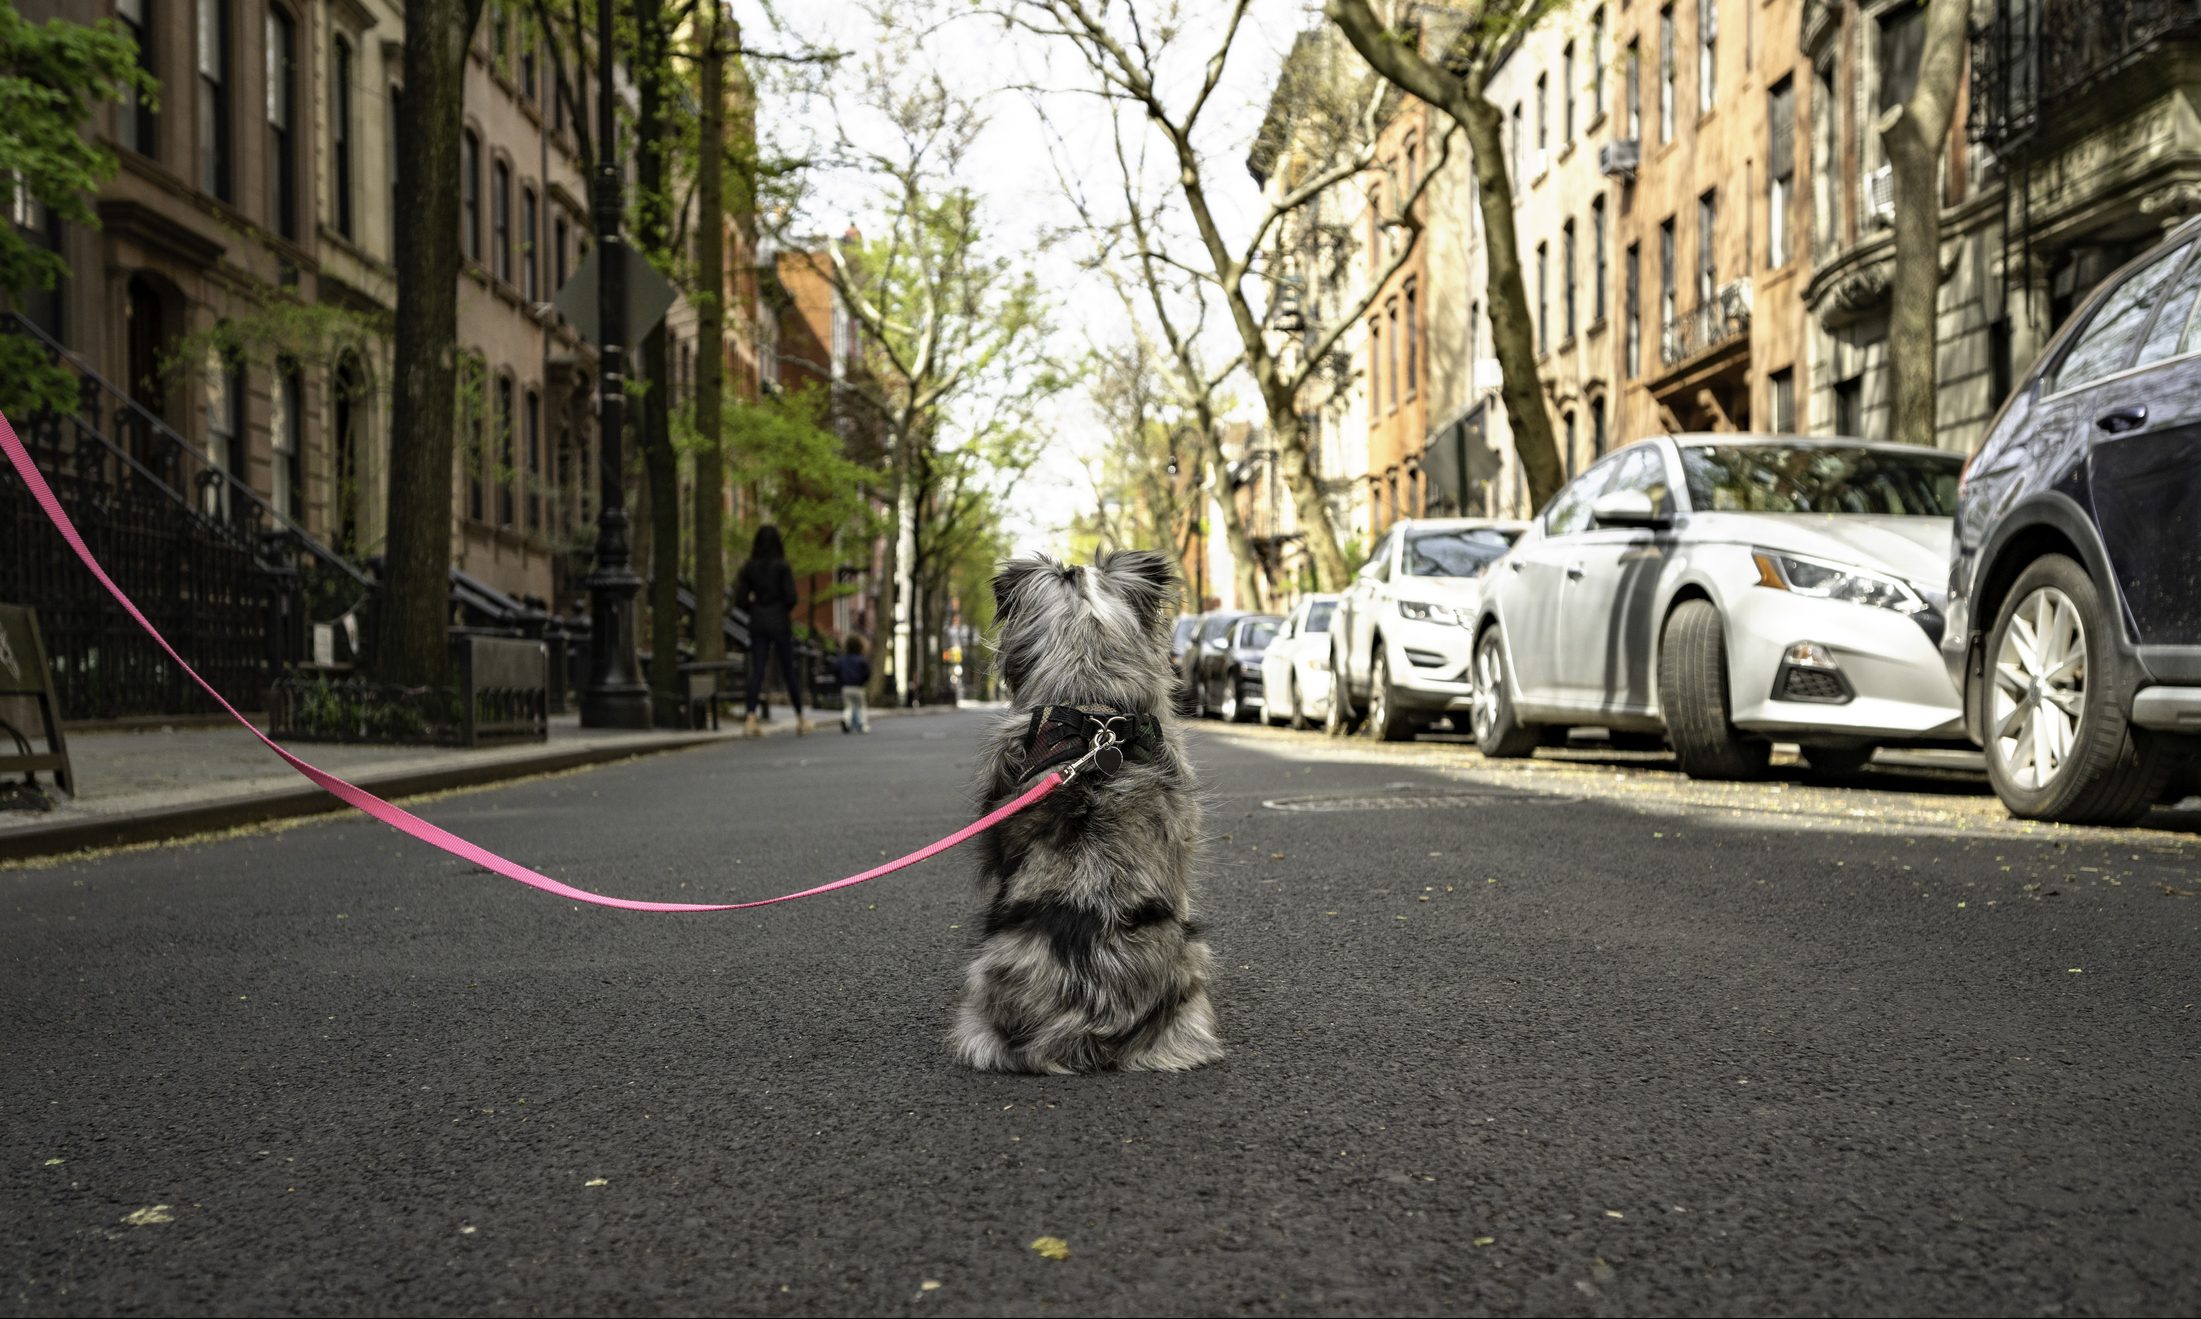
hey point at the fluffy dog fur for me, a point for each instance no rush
(1089, 958)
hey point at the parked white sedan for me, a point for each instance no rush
(1295, 669)
(1400, 644)
(1729, 590)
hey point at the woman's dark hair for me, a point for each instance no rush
(767, 547)
(855, 644)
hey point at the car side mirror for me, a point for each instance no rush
(1627, 508)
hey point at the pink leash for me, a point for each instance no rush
(408, 823)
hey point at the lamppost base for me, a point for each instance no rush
(626, 706)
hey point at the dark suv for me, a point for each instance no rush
(2075, 595)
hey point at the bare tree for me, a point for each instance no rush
(1124, 55)
(1915, 134)
(1478, 35)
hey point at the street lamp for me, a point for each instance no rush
(616, 696)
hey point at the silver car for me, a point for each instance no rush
(1729, 590)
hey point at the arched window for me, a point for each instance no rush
(469, 193)
(340, 134)
(282, 155)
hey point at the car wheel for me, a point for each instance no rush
(1297, 714)
(1388, 722)
(1228, 708)
(1340, 721)
(2058, 746)
(1839, 761)
(1692, 690)
(1497, 733)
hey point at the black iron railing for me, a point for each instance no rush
(232, 582)
(1719, 319)
(2036, 56)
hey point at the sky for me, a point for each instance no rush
(1026, 85)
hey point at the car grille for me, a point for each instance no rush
(1813, 685)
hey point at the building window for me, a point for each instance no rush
(528, 230)
(214, 97)
(225, 426)
(1597, 426)
(473, 382)
(1543, 112)
(1902, 42)
(507, 435)
(1780, 389)
(558, 251)
(340, 133)
(1597, 62)
(1631, 310)
(1666, 74)
(1597, 260)
(1708, 40)
(1667, 294)
(1391, 354)
(1375, 365)
(1635, 91)
(1517, 162)
(135, 125)
(1849, 407)
(1780, 170)
(1825, 179)
(500, 217)
(1413, 344)
(1566, 93)
(286, 427)
(527, 69)
(1543, 298)
(282, 168)
(1566, 452)
(469, 194)
(534, 461)
(500, 34)
(1566, 274)
(1708, 215)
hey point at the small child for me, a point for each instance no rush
(855, 674)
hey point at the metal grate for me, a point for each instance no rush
(1814, 685)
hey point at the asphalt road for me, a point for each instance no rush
(1566, 1038)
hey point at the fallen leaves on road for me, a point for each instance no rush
(1486, 1241)
(148, 1216)
(1051, 1247)
(596, 1181)
(55, 1163)
(2170, 892)
(929, 1285)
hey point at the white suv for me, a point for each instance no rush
(1402, 641)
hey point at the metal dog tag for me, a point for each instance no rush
(1108, 760)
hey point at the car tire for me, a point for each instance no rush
(1386, 720)
(1498, 734)
(1838, 761)
(2107, 772)
(1340, 721)
(1199, 697)
(1235, 709)
(1692, 690)
(1295, 713)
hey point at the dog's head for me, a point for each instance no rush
(1098, 633)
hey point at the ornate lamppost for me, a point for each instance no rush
(616, 696)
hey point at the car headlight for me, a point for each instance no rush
(1834, 581)
(1425, 613)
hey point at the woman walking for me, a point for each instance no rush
(765, 589)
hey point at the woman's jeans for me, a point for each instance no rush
(761, 646)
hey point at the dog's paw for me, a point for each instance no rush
(1188, 1041)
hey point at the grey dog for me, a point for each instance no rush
(1089, 958)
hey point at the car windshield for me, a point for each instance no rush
(1462, 552)
(1185, 628)
(1780, 478)
(1318, 617)
(1257, 636)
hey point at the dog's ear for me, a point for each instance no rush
(1011, 579)
(1146, 580)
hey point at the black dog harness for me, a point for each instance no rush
(1061, 734)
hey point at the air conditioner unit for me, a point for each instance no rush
(1734, 299)
(1880, 195)
(1618, 158)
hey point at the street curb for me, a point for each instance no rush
(172, 823)
(176, 822)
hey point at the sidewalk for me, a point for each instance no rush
(149, 785)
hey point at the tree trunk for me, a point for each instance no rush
(904, 561)
(1511, 334)
(1914, 134)
(411, 645)
(660, 463)
(1306, 488)
(710, 297)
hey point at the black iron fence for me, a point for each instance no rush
(2032, 56)
(234, 584)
